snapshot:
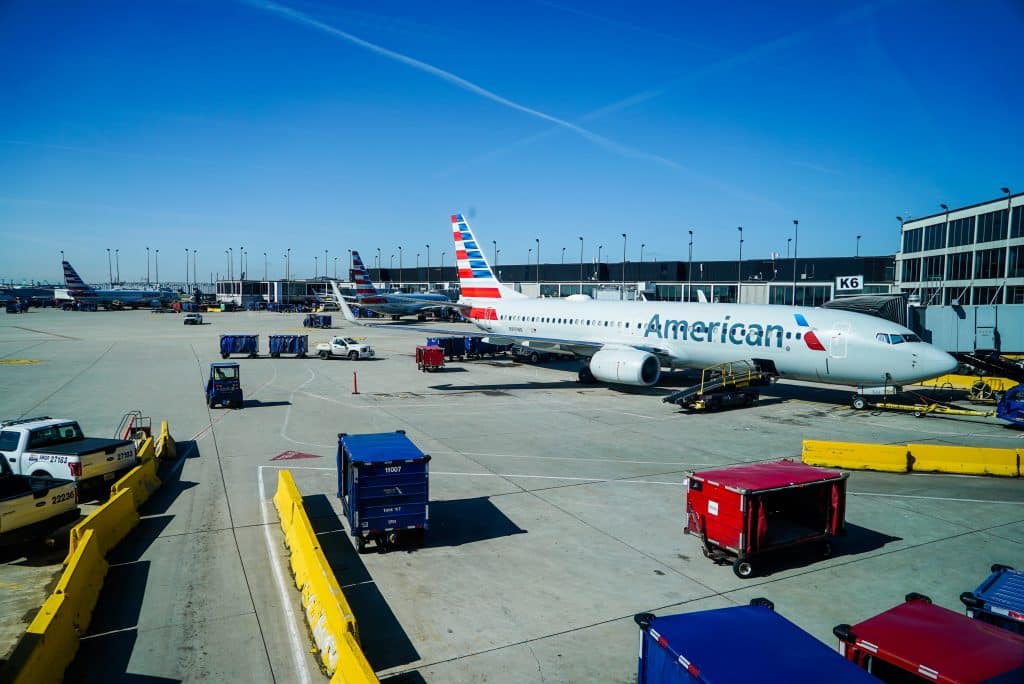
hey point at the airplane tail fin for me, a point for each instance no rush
(475, 275)
(366, 291)
(76, 286)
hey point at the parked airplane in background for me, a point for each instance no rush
(630, 342)
(113, 299)
(394, 304)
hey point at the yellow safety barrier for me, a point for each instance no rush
(111, 522)
(855, 456)
(147, 451)
(51, 640)
(327, 611)
(964, 460)
(141, 481)
(165, 443)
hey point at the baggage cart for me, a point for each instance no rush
(239, 344)
(316, 321)
(999, 600)
(920, 642)
(429, 357)
(740, 644)
(743, 512)
(383, 487)
(288, 344)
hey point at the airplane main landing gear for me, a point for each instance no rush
(585, 376)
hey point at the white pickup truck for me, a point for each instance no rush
(344, 347)
(57, 448)
(30, 506)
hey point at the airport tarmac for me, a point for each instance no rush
(556, 509)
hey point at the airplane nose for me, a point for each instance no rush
(937, 362)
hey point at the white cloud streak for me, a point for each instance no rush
(459, 82)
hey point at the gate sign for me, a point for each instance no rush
(850, 282)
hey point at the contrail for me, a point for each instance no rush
(459, 82)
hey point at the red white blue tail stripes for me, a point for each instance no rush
(76, 286)
(475, 276)
(366, 292)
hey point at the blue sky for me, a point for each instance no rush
(321, 125)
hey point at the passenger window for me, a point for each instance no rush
(798, 336)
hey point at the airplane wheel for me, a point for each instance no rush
(859, 402)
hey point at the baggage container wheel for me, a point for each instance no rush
(826, 549)
(743, 569)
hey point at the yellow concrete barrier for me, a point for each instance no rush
(328, 613)
(856, 456)
(963, 460)
(165, 448)
(147, 451)
(51, 640)
(112, 522)
(141, 481)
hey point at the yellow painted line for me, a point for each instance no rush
(9, 585)
(20, 362)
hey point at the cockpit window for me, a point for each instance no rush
(911, 338)
(896, 339)
(882, 337)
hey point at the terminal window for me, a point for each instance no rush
(1015, 294)
(958, 266)
(1017, 229)
(935, 236)
(912, 240)
(961, 232)
(989, 263)
(1017, 262)
(992, 226)
(911, 270)
(986, 295)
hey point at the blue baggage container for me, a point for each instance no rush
(999, 600)
(383, 487)
(239, 344)
(288, 344)
(740, 644)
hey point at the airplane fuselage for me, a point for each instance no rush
(818, 345)
(400, 304)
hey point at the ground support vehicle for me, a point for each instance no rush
(383, 487)
(429, 357)
(1011, 407)
(749, 643)
(917, 404)
(288, 344)
(344, 348)
(999, 600)
(224, 386)
(316, 321)
(521, 353)
(192, 319)
(920, 642)
(454, 347)
(741, 513)
(33, 506)
(239, 344)
(458, 347)
(725, 385)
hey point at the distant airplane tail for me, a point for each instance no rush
(366, 291)
(76, 286)
(475, 275)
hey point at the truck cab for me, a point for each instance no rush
(57, 448)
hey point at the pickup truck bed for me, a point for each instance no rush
(86, 445)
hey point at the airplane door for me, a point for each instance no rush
(837, 343)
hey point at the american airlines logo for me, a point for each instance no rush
(732, 332)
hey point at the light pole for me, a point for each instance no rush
(117, 265)
(231, 263)
(581, 264)
(264, 266)
(147, 264)
(316, 266)
(378, 263)
(156, 263)
(642, 245)
(529, 258)
(428, 267)
(288, 267)
(186, 269)
(325, 264)
(796, 242)
(563, 256)
(401, 271)
(391, 266)
(739, 267)
(417, 265)
(335, 268)
(622, 291)
(857, 253)
(689, 272)
(597, 271)
(195, 267)
(241, 264)
(110, 270)
(538, 260)
(494, 244)
(227, 255)
(789, 241)
(440, 272)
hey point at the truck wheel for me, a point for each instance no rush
(324, 355)
(361, 544)
(353, 355)
(859, 402)
(743, 569)
(534, 357)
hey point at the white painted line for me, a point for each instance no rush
(532, 477)
(939, 498)
(298, 649)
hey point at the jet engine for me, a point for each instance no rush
(625, 367)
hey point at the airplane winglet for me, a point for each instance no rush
(343, 305)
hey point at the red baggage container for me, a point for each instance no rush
(429, 357)
(741, 512)
(920, 642)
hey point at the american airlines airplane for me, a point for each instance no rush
(629, 343)
(391, 304)
(112, 299)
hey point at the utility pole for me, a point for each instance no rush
(689, 272)
(147, 266)
(157, 264)
(622, 291)
(796, 242)
(110, 270)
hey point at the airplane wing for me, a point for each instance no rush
(345, 311)
(575, 347)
